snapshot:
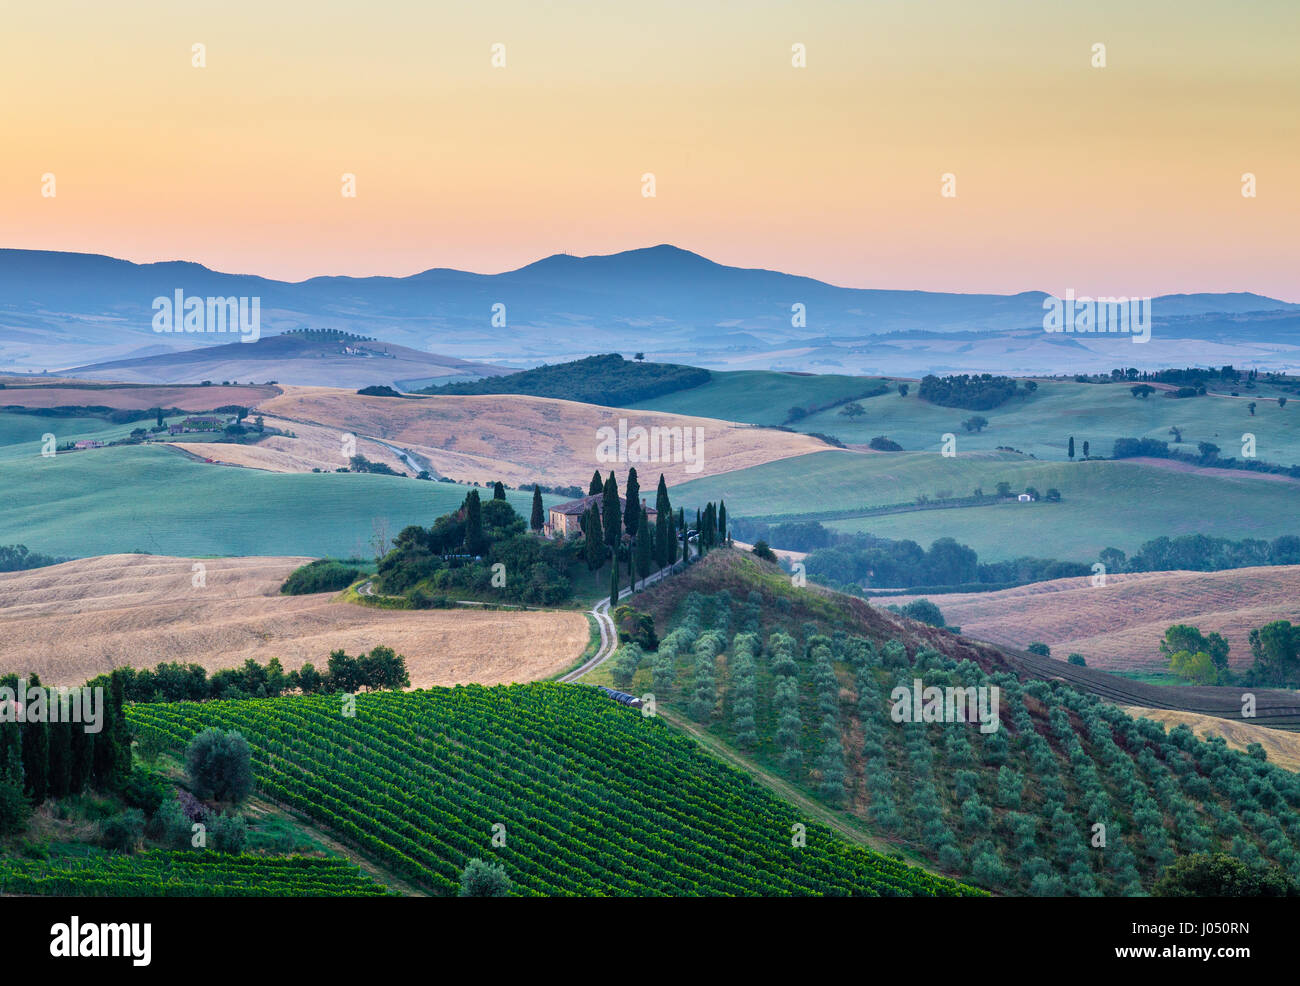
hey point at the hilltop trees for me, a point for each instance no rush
(498, 491)
(632, 504)
(597, 485)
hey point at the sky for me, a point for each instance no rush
(1116, 180)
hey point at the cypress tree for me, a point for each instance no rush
(661, 538)
(611, 514)
(662, 504)
(643, 547)
(473, 524)
(498, 491)
(613, 584)
(60, 781)
(699, 533)
(722, 522)
(671, 546)
(632, 508)
(597, 486)
(538, 520)
(83, 759)
(595, 542)
(36, 753)
(1071, 452)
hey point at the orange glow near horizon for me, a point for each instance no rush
(1123, 180)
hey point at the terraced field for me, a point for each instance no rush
(583, 795)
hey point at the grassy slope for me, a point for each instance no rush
(741, 575)
(1040, 425)
(104, 501)
(1119, 504)
(759, 396)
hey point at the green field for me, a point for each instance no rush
(186, 873)
(569, 791)
(1039, 425)
(1105, 504)
(761, 397)
(153, 499)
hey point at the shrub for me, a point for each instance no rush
(322, 575)
(230, 834)
(1077, 660)
(15, 809)
(481, 879)
(123, 831)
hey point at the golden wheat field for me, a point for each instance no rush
(521, 440)
(1282, 747)
(1119, 626)
(311, 447)
(73, 621)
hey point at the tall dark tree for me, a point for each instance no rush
(1071, 451)
(709, 530)
(662, 503)
(612, 514)
(473, 524)
(662, 547)
(644, 547)
(498, 491)
(538, 520)
(632, 508)
(60, 782)
(82, 761)
(722, 522)
(36, 755)
(112, 748)
(699, 534)
(613, 583)
(671, 546)
(597, 484)
(595, 548)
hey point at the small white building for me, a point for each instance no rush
(1025, 498)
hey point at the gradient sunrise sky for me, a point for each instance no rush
(1124, 180)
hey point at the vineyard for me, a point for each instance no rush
(571, 793)
(1066, 795)
(186, 873)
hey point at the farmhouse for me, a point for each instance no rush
(1026, 498)
(88, 443)
(565, 519)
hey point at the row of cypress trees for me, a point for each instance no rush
(56, 759)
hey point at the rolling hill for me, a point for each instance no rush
(520, 439)
(154, 499)
(1104, 503)
(1118, 627)
(292, 358)
(83, 618)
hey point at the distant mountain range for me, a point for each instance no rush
(62, 310)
